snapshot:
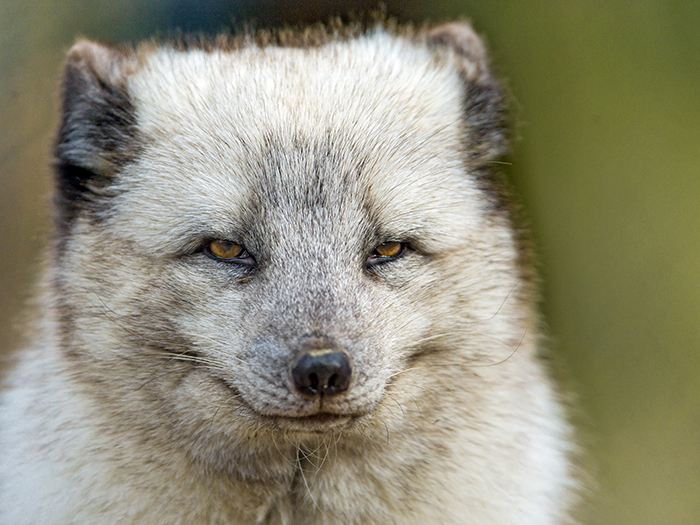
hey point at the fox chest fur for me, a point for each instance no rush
(284, 287)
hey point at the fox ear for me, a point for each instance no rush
(98, 124)
(485, 108)
(97, 135)
(466, 44)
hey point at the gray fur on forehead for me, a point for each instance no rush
(315, 163)
(314, 183)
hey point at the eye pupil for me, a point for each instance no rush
(389, 249)
(225, 249)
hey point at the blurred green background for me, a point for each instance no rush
(607, 162)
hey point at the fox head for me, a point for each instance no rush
(294, 237)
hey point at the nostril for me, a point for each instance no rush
(313, 381)
(322, 372)
(334, 381)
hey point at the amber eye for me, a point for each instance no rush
(389, 249)
(385, 252)
(225, 249)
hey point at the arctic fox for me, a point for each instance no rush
(285, 288)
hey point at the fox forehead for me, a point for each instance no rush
(376, 117)
(376, 82)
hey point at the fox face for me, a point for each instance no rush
(289, 238)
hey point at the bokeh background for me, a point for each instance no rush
(607, 162)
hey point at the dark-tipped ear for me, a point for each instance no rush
(461, 38)
(97, 135)
(485, 108)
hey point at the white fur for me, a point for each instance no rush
(473, 435)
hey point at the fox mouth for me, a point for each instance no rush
(319, 423)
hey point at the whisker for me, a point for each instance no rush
(504, 300)
(511, 354)
(285, 458)
(306, 483)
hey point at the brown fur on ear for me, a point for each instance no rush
(97, 135)
(461, 38)
(106, 63)
(98, 122)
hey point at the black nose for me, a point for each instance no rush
(322, 372)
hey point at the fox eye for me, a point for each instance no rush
(389, 249)
(229, 251)
(225, 249)
(385, 252)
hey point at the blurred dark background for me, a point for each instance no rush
(607, 163)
